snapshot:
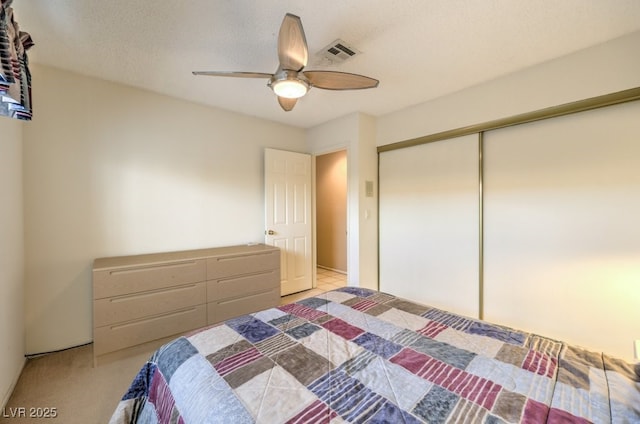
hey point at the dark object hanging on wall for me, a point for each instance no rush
(15, 79)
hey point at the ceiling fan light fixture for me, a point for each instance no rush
(290, 88)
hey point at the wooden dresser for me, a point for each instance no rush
(142, 301)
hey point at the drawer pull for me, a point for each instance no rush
(153, 318)
(252, 255)
(244, 297)
(243, 276)
(151, 293)
(148, 267)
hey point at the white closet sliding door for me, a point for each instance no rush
(429, 223)
(562, 227)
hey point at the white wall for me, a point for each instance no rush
(367, 231)
(113, 170)
(356, 133)
(11, 257)
(603, 69)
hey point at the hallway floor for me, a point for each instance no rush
(327, 280)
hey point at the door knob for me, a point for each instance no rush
(270, 232)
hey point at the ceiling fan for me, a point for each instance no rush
(290, 82)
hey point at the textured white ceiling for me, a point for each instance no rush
(418, 49)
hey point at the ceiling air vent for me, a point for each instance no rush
(338, 52)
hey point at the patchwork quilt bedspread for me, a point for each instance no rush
(361, 356)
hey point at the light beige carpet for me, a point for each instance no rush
(68, 382)
(82, 394)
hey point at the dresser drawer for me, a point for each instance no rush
(110, 338)
(121, 281)
(230, 308)
(224, 288)
(224, 266)
(139, 305)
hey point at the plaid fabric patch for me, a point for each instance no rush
(356, 355)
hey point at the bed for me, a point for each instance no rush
(362, 356)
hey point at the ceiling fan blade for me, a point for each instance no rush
(331, 80)
(287, 104)
(233, 74)
(292, 44)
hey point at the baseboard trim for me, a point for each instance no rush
(333, 269)
(36, 355)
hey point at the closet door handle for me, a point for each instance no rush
(270, 232)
